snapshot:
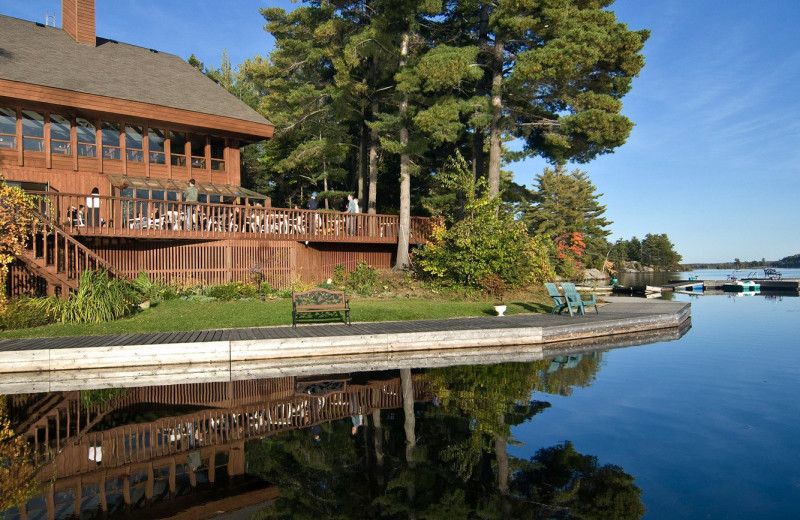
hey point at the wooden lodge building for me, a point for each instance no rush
(110, 134)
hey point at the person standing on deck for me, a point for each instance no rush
(190, 194)
(93, 207)
(312, 205)
(352, 207)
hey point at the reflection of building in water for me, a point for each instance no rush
(116, 457)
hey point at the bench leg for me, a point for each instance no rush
(294, 319)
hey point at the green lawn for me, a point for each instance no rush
(177, 315)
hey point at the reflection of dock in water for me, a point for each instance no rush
(136, 464)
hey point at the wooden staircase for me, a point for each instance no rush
(56, 256)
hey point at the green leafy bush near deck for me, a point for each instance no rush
(98, 299)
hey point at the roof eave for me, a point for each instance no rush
(122, 108)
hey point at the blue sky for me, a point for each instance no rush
(713, 159)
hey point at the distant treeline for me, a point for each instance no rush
(788, 262)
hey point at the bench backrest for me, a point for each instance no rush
(319, 297)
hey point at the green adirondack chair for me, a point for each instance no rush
(576, 299)
(559, 301)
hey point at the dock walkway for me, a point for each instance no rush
(236, 347)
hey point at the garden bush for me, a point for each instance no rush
(98, 299)
(23, 313)
(362, 279)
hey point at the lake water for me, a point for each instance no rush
(707, 426)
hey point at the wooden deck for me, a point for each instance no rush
(163, 219)
(235, 354)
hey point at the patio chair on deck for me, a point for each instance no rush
(559, 301)
(576, 299)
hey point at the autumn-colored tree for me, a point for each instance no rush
(17, 471)
(569, 248)
(16, 217)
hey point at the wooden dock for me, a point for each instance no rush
(238, 353)
(767, 285)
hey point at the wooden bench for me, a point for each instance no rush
(317, 301)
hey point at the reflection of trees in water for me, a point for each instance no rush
(454, 464)
(563, 373)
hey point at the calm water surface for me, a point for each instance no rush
(707, 426)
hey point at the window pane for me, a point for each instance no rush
(8, 129)
(32, 124)
(8, 121)
(59, 128)
(85, 130)
(198, 145)
(133, 143)
(60, 138)
(156, 138)
(110, 134)
(86, 137)
(133, 137)
(177, 143)
(217, 148)
(157, 195)
(172, 195)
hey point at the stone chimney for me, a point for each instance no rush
(77, 19)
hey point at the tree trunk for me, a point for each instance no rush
(362, 153)
(495, 130)
(377, 442)
(325, 185)
(478, 135)
(373, 164)
(405, 177)
(407, 389)
(503, 474)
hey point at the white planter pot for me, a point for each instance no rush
(500, 309)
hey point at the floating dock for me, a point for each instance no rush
(785, 285)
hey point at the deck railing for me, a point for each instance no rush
(130, 217)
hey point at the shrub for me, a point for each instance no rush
(98, 299)
(23, 313)
(483, 244)
(494, 286)
(227, 292)
(339, 275)
(362, 279)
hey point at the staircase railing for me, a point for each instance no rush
(58, 257)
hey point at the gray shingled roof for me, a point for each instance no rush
(48, 56)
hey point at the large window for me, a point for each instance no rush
(177, 148)
(87, 137)
(198, 150)
(32, 131)
(133, 143)
(8, 129)
(155, 145)
(111, 148)
(217, 153)
(60, 138)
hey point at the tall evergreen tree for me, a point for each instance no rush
(566, 202)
